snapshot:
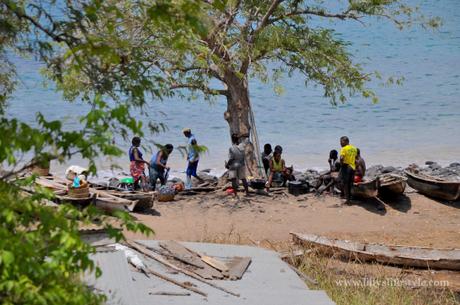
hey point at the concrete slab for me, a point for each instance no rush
(267, 281)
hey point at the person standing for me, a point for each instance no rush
(192, 158)
(236, 165)
(360, 171)
(137, 163)
(158, 165)
(347, 166)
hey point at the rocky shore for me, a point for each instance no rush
(450, 172)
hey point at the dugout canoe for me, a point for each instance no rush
(110, 203)
(392, 185)
(144, 199)
(408, 256)
(433, 186)
(367, 189)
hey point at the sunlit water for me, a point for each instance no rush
(415, 122)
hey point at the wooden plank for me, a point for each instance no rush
(149, 253)
(215, 263)
(237, 267)
(187, 256)
(181, 253)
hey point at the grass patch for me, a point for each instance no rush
(364, 284)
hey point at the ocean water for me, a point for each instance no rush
(414, 122)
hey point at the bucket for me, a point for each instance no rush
(297, 188)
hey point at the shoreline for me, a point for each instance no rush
(179, 171)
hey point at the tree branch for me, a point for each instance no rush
(202, 88)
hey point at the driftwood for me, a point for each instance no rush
(145, 250)
(419, 257)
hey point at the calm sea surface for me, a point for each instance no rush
(415, 122)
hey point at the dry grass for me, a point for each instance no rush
(351, 283)
(371, 284)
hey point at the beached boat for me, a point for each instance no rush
(110, 203)
(433, 186)
(392, 185)
(419, 257)
(144, 199)
(366, 189)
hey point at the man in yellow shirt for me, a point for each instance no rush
(348, 165)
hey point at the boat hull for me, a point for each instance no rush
(447, 190)
(418, 257)
(365, 189)
(392, 185)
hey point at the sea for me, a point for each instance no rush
(416, 121)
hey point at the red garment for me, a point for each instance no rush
(358, 179)
(136, 169)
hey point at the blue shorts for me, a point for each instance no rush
(191, 168)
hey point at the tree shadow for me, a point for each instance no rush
(401, 203)
(373, 205)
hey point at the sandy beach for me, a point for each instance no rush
(412, 219)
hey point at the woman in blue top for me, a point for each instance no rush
(158, 166)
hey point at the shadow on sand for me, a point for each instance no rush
(401, 203)
(373, 205)
(454, 204)
(151, 212)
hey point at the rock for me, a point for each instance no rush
(388, 169)
(455, 164)
(429, 162)
(435, 166)
(206, 177)
(374, 171)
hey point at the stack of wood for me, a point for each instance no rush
(204, 266)
(107, 200)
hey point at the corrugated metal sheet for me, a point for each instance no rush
(267, 281)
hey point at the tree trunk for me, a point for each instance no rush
(237, 116)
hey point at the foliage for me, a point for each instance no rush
(41, 253)
(235, 40)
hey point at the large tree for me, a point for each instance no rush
(235, 41)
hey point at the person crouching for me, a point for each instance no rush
(158, 166)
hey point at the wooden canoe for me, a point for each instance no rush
(392, 185)
(433, 186)
(368, 189)
(418, 257)
(110, 203)
(144, 199)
